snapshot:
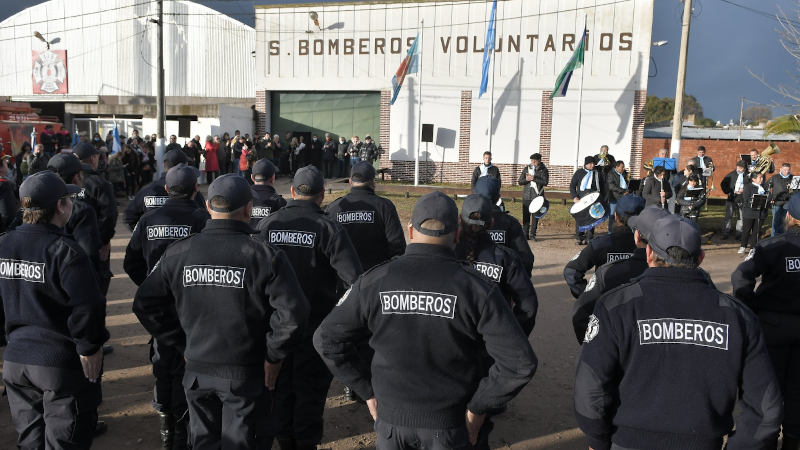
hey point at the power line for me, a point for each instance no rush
(77, 28)
(104, 11)
(759, 12)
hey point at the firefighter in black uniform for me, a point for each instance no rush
(371, 221)
(665, 359)
(82, 223)
(265, 199)
(373, 225)
(54, 317)
(506, 229)
(323, 257)
(154, 195)
(423, 395)
(178, 218)
(777, 261)
(99, 193)
(618, 244)
(618, 272)
(500, 264)
(9, 203)
(193, 289)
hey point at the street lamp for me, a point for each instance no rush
(660, 43)
(39, 36)
(314, 18)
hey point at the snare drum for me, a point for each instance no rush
(589, 212)
(539, 207)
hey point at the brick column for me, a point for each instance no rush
(546, 127)
(465, 127)
(263, 106)
(639, 100)
(385, 109)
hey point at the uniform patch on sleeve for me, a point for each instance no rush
(592, 329)
(683, 331)
(591, 283)
(260, 212)
(498, 236)
(493, 271)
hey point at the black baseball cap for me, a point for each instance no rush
(435, 206)
(264, 168)
(476, 203)
(674, 231)
(589, 159)
(45, 188)
(231, 187)
(66, 164)
(85, 150)
(793, 206)
(175, 157)
(645, 221)
(630, 205)
(488, 187)
(182, 176)
(308, 181)
(362, 172)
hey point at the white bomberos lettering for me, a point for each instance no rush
(683, 331)
(419, 303)
(494, 272)
(155, 201)
(611, 257)
(292, 237)
(157, 232)
(222, 276)
(498, 236)
(792, 264)
(260, 212)
(356, 217)
(12, 269)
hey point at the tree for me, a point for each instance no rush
(662, 109)
(757, 114)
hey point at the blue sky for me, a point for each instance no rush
(725, 41)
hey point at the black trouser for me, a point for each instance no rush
(300, 394)
(50, 407)
(750, 232)
(731, 212)
(223, 413)
(783, 343)
(168, 369)
(131, 185)
(391, 437)
(529, 219)
(587, 235)
(329, 168)
(211, 175)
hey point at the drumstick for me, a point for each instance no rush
(663, 206)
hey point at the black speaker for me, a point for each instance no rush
(427, 132)
(184, 127)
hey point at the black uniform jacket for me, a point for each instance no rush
(779, 188)
(503, 266)
(318, 248)
(750, 190)
(606, 277)
(541, 177)
(507, 231)
(427, 296)
(227, 311)
(151, 197)
(9, 204)
(100, 194)
(663, 362)
(53, 309)
(85, 230)
(265, 202)
(372, 223)
(777, 261)
(177, 219)
(602, 249)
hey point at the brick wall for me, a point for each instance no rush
(385, 118)
(263, 106)
(546, 127)
(724, 154)
(639, 100)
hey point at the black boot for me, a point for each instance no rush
(166, 423)
(180, 434)
(790, 443)
(286, 444)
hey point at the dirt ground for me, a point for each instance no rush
(541, 417)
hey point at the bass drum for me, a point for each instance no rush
(589, 212)
(539, 207)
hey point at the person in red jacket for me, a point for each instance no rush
(212, 162)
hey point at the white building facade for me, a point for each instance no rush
(307, 72)
(101, 63)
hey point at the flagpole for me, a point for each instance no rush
(580, 104)
(491, 113)
(419, 103)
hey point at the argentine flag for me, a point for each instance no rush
(116, 146)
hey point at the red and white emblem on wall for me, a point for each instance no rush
(50, 72)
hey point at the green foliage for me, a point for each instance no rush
(704, 122)
(757, 113)
(789, 124)
(662, 109)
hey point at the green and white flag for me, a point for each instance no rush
(575, 62)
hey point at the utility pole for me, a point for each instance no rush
(677, 118)
(741, 115)
(161, 104)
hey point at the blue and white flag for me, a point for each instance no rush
(116, 146)
(75, 139)
(33, 138)
(409, 65)
(488, 50)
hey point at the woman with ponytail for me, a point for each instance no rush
(497, 263)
